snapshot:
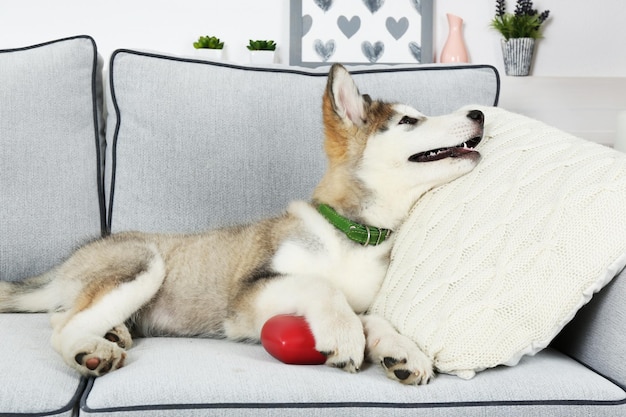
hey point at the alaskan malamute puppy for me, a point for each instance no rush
(323, 259)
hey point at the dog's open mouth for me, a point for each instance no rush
(452, 152)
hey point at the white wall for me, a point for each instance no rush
(582, 38)
(158, 25)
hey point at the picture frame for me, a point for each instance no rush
(360, 32)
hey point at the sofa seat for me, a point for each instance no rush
(174, 376)
(34, 380)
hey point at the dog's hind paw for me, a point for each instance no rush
(97, 357)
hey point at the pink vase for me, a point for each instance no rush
(454, 50)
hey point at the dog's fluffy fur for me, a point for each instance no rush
(229, 282)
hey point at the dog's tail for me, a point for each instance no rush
(33, 295)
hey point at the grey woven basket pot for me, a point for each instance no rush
(518, 55)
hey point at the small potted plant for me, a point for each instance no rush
(210, 46)
(519, 30)
(261, 51)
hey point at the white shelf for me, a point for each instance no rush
(584, 106)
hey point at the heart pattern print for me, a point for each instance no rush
(307, 22)
(397, 28)
(362, 31)
(349, 27)
(416, 51)
(324, 4)
(373, 52)
(324, 50)
(374, 5)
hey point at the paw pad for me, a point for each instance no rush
(401, 374)
(91, 363)
(99, 366)
(390, 362)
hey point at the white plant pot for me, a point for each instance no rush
(210, 54)
(262, 57)
(518, 56)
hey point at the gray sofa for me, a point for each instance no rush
(164, 143)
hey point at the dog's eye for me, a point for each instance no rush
(408, 120)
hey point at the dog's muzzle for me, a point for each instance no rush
(464, 149)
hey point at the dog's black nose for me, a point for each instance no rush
(477, 116)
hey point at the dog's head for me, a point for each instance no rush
(384, 156)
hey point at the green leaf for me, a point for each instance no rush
(208, 42)
(512, 26)
(261, 45)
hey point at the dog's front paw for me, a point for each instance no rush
(414, 368)
(342, 342)
(399, 356)
(347, 362)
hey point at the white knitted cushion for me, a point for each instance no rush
(491, 266)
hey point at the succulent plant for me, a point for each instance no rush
(261, 45)
(208, 42)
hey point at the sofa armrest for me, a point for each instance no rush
(597, 335)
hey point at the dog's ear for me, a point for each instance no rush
(344, 95)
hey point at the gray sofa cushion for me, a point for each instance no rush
(34, 379)
(49, 187)
(196, 145)
(50, 159)
(170, 377)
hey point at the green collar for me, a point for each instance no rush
(360, 233)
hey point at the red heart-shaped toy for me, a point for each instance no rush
(289, 339)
